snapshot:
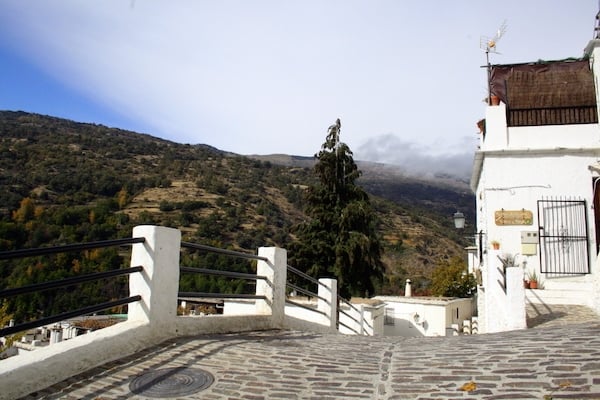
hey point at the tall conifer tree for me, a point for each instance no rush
(340, 240)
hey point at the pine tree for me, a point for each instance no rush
(340, 240)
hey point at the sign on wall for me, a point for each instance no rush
(513, 217)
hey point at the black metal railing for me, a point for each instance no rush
(227, 274)
(34, 288)
(362, 322)
(306, 292)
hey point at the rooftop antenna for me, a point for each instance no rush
(488, 45)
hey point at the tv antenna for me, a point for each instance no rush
(489, 45)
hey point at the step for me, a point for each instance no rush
(569, 285)
(558, 296)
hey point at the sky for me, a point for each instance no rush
(270, 76)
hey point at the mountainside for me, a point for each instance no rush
(65, 182)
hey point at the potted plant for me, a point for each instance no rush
(495, 244)
(533, 280)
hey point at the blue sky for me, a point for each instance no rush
(269, 76)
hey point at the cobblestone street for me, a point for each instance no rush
(556, 359)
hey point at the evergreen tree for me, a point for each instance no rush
(340, 240)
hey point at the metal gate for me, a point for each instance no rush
(564, 246)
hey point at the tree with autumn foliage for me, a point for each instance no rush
(340, 239)
(452, 280)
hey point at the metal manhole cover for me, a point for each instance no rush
(171, 382)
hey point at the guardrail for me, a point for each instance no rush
(228, 274)
(154, 276)
(7, 293)
(361, 325)
(306, 292)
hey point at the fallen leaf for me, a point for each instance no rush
(468, 387)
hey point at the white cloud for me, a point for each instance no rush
(415, 158)
(270, 77)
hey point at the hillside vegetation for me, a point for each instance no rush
(64, 182)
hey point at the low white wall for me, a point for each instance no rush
(504, 300)
(150, 321)
(35, 370)
(153, 319)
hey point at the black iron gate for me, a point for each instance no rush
(563, 233)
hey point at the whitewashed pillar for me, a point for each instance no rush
(158, 283)
(275, 270)
(328, 291)
(361, 318)
(515, 294)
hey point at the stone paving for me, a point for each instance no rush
(557, 359)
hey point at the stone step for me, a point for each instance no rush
(558, 296)
(572, 285)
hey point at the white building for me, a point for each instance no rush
(535, 178)
(427, 316)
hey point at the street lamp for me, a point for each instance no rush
(459, 223)
(459, 220)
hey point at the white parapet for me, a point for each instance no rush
(147, 325)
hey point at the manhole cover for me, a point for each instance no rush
(171, 382)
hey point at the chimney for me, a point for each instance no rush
(407, 289)
(56, 334)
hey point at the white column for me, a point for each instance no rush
(275, 269)
(328, 291)
(361, 318)
(515, 294)
(158, 284)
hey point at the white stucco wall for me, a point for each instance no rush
(515, 168)
(436, 315)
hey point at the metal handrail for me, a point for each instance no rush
(306, 307)
(304, 275)
(68, 281)
(229, 274)
(195, 295)
(347, 327)
(346, 302)
(232, 253)
(4, 255)
(364, 321)
(306, 292)
(67, 315)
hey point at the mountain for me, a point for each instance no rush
(64, 182)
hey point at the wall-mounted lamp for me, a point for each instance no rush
(459, 220)
(459, 223)
(418, 320)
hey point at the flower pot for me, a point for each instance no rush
(494, 100)
(496, 246)
(526, 284)
(533, 284)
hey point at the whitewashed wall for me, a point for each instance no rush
(515, 168)
(436, 315)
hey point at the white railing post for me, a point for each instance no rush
(361, 318)
(158, 283)
(328, 290)
(515, 296)
(275, 269)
